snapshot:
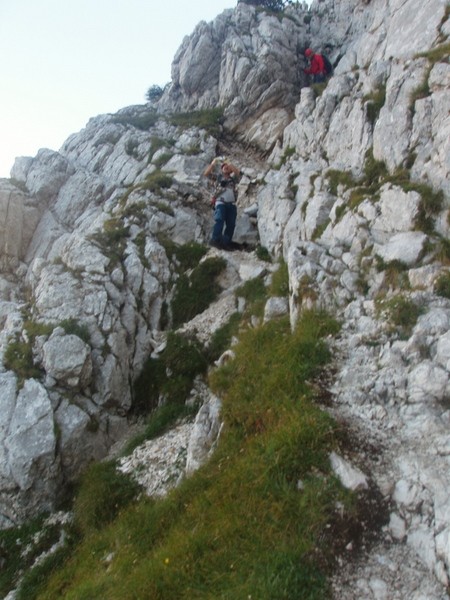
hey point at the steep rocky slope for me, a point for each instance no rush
(353, 193)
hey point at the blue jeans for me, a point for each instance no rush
(224, 214)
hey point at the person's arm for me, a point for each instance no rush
(209, 169)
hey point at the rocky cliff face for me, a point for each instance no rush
(354, 193)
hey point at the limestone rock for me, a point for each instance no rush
(67, 359)
(350, 477)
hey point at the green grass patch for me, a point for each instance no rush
(221, 339)
(160, 420)
(208, 119)
(74, 327)
(401, 312)
(255, 293)
(288, 153)
(112, 239)
(103, 492)
(20, 547)
(187, 256)
(157, 181)
(169, 377)
(240, 527)
(374, 103)
(318, 231)
(144, 121)
(318, 88)
(18, 355)
(336, 178)
(162, 159)
(263, 254)
(279, 284)
(196, 291)
(442, 285)
(156, 143)
(396, 273)
(438, 54)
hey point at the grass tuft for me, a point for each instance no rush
(442, 286)
(195, 292)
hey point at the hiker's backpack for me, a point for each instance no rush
(328, 66)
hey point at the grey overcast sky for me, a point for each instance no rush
(65, 61)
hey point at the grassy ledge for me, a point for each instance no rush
(252, 523)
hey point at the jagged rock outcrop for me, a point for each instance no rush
(355, 196)
(246, 62)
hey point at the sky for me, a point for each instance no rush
(65, 61)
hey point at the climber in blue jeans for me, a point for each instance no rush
(224, 201)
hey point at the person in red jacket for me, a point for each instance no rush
(316, 66)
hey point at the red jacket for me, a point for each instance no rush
(317, 65)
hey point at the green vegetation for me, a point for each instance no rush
(318, 231)
(396, 273)
(307, 289)
(143, 121)
(21, 546)
(263, 254)
(208, 119)
(156, 181)
(443, 250)
(112, 239)
(422, 90)
(318, 88)
(279, 285)
(336, 178)
(195, 292)
(286, 155)
(254, 522)
(18, 355)
(375, 175)
(19, 352)
(103, 492)
(271, 6)
(154, 93)
(374, 103)
(438, 54)
(255, 293)
(162, 159)
(442, 286)
(169, 378)
(73, 327)
(160, 421)
(19, 358)
(401, 312)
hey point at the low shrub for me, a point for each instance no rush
(157, 181)
(208, 119)
(74, 327)
(336, 178)
(169, 377)
(279, 285)
(103, 491)
(144, 121)
(401, 312)
(195, 292)
(374, 103)
(442, 285)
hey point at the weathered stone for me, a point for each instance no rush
(407, 248)
(350, 477)
(67, 359)
(204, 435)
